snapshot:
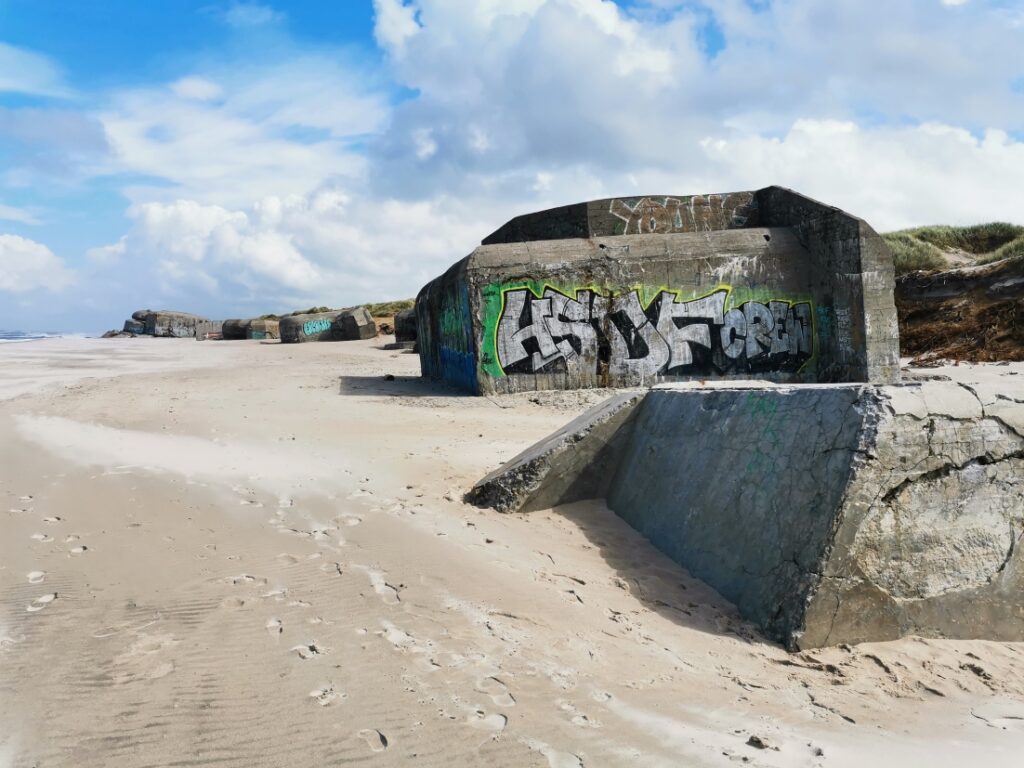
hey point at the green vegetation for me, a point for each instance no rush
(389, 308)
(928, 248)
(381, 309)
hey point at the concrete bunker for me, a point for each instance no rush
(828, 514)
(630, 291)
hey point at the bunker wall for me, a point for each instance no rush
(828, 513)
(767, 285)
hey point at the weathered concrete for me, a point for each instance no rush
(827, 513)
(168, 323)
(576, 462)
(263, 329)
(354, 324)
(405, 325)
(210, 330)
(138, 327)
(314, 327)
(236, 329)
(629, 292)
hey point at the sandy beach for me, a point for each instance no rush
(249, 554)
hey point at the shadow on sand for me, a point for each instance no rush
(659, 583)
(396, 386)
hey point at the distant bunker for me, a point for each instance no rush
(828, 513)
(632, 291)
(337, 325)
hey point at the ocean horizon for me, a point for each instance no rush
(8, 337)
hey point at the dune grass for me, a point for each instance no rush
(926, 248)
(389, 308)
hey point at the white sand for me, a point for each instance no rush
(256, 555)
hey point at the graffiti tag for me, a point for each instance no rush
(313, 327)
(692, 214)
(577, 334)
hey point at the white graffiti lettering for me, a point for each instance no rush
(578, 333)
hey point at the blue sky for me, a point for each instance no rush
(235, 158)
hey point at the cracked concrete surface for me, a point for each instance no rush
(828, 514)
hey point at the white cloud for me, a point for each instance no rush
(300, 178)
(892, 177)
(242, 14)
(27, 72)
(395, 23)
(20, 215)
(242, 134)
(325, 247)
(197, 89)
(26, 265)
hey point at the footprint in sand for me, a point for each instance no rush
(576, 717)
(25, 498)
(275, 627)
(374, 739)
(327, 695)
(51, 520)
(349, 520)
(142, 659)
(308, 650)
(332, 568)
(555, 758)
(36, 577)
(41, 602)
(41, 537)
(245, 578)
(78, 550)
(285, 559)
(378, 580)
(483, 722)
(497, 690)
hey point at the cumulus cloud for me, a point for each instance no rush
(282, 252)
(232, 137)
(310, 177)
(26, 265)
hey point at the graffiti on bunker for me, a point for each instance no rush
(318, 325)
(699, 213)
(584, 331)
(446, 338)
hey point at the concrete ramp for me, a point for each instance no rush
(827, 513)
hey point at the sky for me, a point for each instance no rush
(240, 158)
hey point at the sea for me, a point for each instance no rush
(10, 337)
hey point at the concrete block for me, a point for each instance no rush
(827, 513)
(302, 328)
(634, 291)
(169, 323)
(405, 325)
(210, 330)
(263, 329)
(354, 324)
(236, 329)
(138, 327)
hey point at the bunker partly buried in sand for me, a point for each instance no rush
(630, 291)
